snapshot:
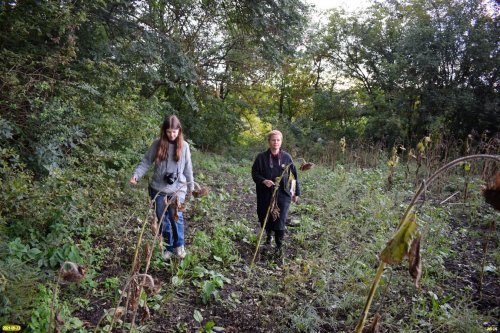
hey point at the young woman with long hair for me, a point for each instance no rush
(172, 178)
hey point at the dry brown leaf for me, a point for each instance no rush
(149, 283)
(147, 250)
(137, 265)
(71, 272)
(275, 210)
(390, 180)
(116, 313)
(157, 287)
(161, 243)
(145, 314)
(134, 294)
(491, 193)
(59, 319)
(398, 246)
(414, 259)
(375, 325)
(154, 227)
(175, 206)
(306, 166)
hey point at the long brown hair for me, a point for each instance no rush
(171, 122)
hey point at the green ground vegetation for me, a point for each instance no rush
(377, 99)
(336, 233)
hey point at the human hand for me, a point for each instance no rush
(133, 180)
(268, 183)
(295, 199)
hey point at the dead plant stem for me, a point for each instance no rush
(425, 184)
(422, 188)
(373, 289)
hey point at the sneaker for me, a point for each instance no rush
(180, 251)
(167, 255)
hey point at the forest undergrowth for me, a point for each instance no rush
(85, 84)
(345, 217)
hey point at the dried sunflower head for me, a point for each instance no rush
(201, 192)
(71, 272)
(491, 193)
(306, 166)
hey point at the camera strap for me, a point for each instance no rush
(177, 167)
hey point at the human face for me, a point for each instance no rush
(172, 134)
(275, 143)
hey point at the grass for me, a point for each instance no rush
(343, 221)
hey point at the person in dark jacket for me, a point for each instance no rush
(267, 166)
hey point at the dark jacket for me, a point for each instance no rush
(264, 168)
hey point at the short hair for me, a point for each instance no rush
(274, 132)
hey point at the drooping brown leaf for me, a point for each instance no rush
(390, 180)
(398, 246)
(58, 322)
(374, 326)
(71, 272)
(175, 207)
(201, 192)
(306, 166)
(415, 263)
(491, 193)
(411, 154)
(134, 294)
(59, 319)
(161, 243)
(154, 227)
(149, 284)
(145, 314)
(156, 288)
(116, 313)
(136, 265)
(275, 210)
(147, 250)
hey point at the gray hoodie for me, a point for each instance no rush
(183, 169)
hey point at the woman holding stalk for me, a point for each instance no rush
(273, 202)
(172, 179)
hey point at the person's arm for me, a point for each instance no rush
(145, 164)
(188, 169)
(257, 177)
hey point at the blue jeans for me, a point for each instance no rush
(173, 232)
